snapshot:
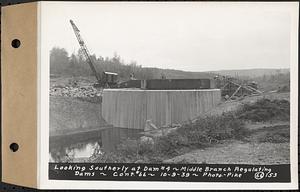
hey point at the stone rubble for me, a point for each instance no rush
(79, 91)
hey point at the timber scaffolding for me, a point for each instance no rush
(233, 87)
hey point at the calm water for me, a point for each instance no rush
(75, 152)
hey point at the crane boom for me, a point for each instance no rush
(85, 51)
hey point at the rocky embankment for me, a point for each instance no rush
(74, 91)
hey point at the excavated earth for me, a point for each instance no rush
(266, 143)
(255, 149)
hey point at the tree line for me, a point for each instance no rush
(63, 64)
(75, 65)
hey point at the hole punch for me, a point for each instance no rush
(14, 147)
(16, 43)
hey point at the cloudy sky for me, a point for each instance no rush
(185, 36)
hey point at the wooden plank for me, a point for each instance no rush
(235, 91)
(131, 108)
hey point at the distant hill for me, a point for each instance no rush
(61, 64)
(178, 74)
(251, 72)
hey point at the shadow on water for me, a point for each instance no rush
(80, 147)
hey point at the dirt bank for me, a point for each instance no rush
(238, 152)
(266, 144)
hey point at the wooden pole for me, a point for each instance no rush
(235, 92)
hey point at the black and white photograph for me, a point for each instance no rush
(149, 95)
(170, 83)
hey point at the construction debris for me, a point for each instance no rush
(231, 88)
(69, 91)
(150, 125)
(162, 131)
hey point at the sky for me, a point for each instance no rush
(195, 36)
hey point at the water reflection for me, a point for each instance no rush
(75, 153)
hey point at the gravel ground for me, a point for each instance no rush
(249, 151)
(238, 152)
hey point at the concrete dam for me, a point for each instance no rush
(123, 113)
(131, 108)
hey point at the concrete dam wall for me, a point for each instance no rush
(131, 108)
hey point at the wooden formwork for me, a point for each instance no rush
(131, 108)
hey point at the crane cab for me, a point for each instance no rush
(110, 78)
(107, 80)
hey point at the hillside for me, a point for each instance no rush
(251, 72)
(178, 74)
(63, 65)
